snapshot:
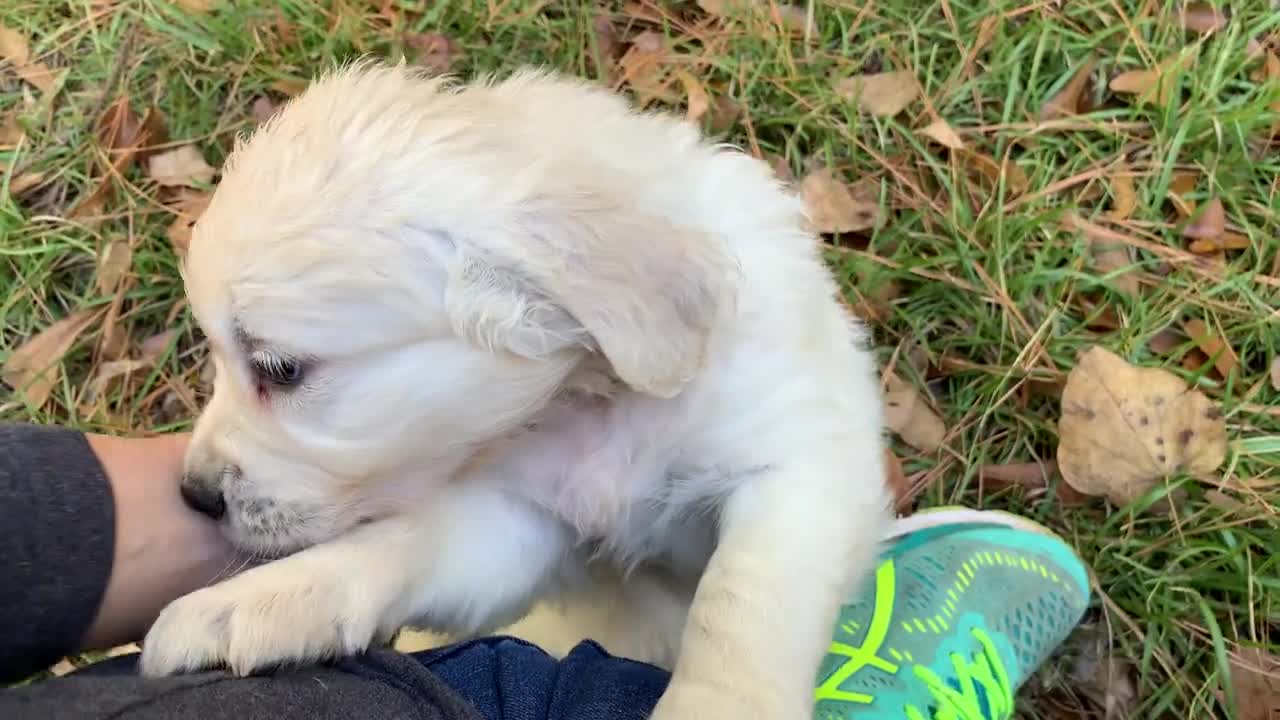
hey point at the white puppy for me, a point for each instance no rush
(483, 347)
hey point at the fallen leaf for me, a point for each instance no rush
(154, 346)
(435, 51)
(781, 168)
(1030, 475)
(986, 166)
(1070, 99)
(1275, 373)
(1110, 253)
(642, 66)
(1213, 345)
(882, 94)
(188, 209)
(93, 206)
(1211, 224)
(1124, 198)
(1255, 677)
(289, 87)
(1165, 341)
(1096, 672)
(263, 109)
(1181, 185)
(608, 46)
(195, 7)
(113, 264)
(15, 48)
(111, 370)
(1124, 429)
(723, 115)
(897, 480)
(126, 137)
(1156, 84)
(1219, 499)
(697, 102)
(910, 418)
(792, 18)
(941, 132)
(834, 207)
(183, 165)
(11, 133)
(1202, 17)
(34, 368)
(25, 182)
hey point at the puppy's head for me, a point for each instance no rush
(394, 272)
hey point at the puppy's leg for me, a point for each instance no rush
(474, 558)
(794, 542)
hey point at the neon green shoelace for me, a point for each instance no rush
(986, 670)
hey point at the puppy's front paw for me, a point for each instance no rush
(273, 615)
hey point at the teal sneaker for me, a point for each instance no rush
(964, 606)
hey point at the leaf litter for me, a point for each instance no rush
(1124, 429)
(34, 369)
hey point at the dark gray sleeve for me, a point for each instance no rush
(57, 535)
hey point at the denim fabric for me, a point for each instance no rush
(509, 679)
(490, 679)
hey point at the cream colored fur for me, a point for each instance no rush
(557, 354)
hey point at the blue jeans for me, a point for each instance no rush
(496, 678)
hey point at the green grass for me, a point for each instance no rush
(993, 299)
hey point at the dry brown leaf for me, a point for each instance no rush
(263, 109)
(1255, 677)
(986, 166)
(154, 346)
(25, 182)
(834, 207)
(781, 168)
(11, 133)
(1212, 344)
(642, 66)
(941, 132)
(1110, 253)
(882, 94)
(792, 18)
(289, 87)
(195, 7)
(181, 166)
(1124, 198)
(723, 115)
(1165, 341)
(1030, 475)
(1070, 100)
(697, 102)
(113, 265)
(34, 368)
(435, 51)
(608, 46)
(111, 370)
(1201, 17)
(1211, 224)
(1181, 185)
(93, 206)
(897, 480)
(1156, 84)
(910, 417)
(1124, 429)
(189, 208)
(1098, 673)
(15, 48)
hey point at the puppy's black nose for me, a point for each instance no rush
(203, 496)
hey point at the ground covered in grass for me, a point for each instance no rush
(1002, 187)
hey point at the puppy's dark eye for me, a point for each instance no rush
(277, 370)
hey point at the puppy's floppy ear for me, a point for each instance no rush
(639, 289)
